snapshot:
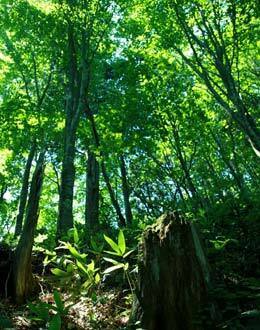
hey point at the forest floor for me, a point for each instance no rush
(109, 311)
(109, 308)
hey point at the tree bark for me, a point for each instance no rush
(65, 217)
(126, 192)
(24, 191)
(77, 90)
(173, 277)
(121, 219)
(22, 271)
(238, 177)
(92, 193)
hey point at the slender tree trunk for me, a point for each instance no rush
(238, 178)
(184, 166)
(121, 219)
(126, 192)
(92, 192)
(65, 219)
(24, 191)
(22, 271)
(77, 89)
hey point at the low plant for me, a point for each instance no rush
(51, 316)
(73, 268)
(120, 260)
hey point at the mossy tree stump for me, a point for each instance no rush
(173, 277)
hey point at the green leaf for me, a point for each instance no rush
(70, 268)
(41, 311)
(112, 244)
(55, 323)
(75, 235)
(58, 301)
(128, 253)
(91, 266)
(5, 322)
(93, 244)
(87, 284)
(121, 242)
(97, 278)
(82, 267)
(112, 261)
(113, 253)
(113, 268)
(59, 272)
(76, 254)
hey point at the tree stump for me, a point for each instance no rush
(173, 277)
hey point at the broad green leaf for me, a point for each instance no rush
(113, 268)
(112, 261)
(58, 301)
(91, 266)
(97, 278)
(55, 323)
(5, 322)
(87, 284)
(113, 253)
(76, 235)
(128, 253)
(112, 244)
(59, 272)
(81, 267)
(70, 268)
(121, 242)
(76, 254)
(93, 244)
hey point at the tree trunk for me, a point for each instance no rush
(65, 219)
(238, 177)
(21, 271)
(173, 277)
(77, 89)
(126, 192)
(24, 191)
(121, 219)
(92, 194)
(184, 166)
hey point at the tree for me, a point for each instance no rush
(22, 277)
(214, 34)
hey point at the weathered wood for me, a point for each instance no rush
(173, 277)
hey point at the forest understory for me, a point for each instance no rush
(129, 164)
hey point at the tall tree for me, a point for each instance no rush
(92, 192)
(214, 34)
(22, 277)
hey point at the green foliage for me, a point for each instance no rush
(73, 268)
(50, 315)
(172, 86)
(5, 322)
(119, 250)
